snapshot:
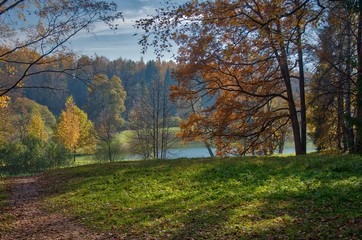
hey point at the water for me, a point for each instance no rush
(189, 153)
(197, 152)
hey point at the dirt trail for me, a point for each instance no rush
(32, 221)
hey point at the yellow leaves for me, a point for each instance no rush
(7, 129)
(68, 131)
(4, 101)
(10, 69)
(37, 127)
(74, 130)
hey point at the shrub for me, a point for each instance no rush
(32, 155)
(108, 151)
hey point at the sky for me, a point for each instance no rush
(121, 43)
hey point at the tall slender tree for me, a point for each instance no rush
(151, 118)
(106, 98)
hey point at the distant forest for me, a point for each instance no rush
(53, 89)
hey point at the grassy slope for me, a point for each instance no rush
(311, 197)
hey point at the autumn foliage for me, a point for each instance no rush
(74, 130)
(238, 56)
(245, 62)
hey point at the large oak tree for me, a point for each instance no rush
(247, 58)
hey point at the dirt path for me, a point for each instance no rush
(33, 222)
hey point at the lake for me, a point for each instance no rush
(199, 152)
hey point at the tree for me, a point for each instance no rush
(36, 127)
(151, 118)
(23, 109)
(107, 97)
(240, 54)
(106, 94)
(326, 114)
(7, 127)
(74, 131)
(34, 34)
(334, 120)
(108, 147)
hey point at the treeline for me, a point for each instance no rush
(247, 77)
(87, 97)
(83, 109)
(51, 89)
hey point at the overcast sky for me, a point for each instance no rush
(120, 43)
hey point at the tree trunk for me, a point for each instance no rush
(340, 112)
(303, 116)
(284, 70)
(206, 143)
(358, 144)
(74, 154)
(109, 152)
(281, 143)
(291, 104)
(164, 128)
(348, 114)
(209, 149)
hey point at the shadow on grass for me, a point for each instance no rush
(252, 198)
(310, 198)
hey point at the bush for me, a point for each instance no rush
(108, 151)
(57, 154)
(32, 155)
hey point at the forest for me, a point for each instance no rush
(267, 74)
(248, 79)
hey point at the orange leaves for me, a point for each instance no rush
(192, 129)
(235, 62)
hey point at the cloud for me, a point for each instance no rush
(119, 43)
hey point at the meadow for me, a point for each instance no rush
(310, 197)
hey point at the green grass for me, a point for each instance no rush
(83, 160)
(125, 136)
(311, 197)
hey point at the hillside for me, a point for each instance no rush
(315, 197)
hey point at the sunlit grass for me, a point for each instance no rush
(290, 197)
(125, 136)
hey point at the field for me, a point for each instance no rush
(312, 197)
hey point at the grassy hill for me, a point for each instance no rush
(317, 197)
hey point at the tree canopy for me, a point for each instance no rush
(247, 58)
(74, 130)
(34, 36)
